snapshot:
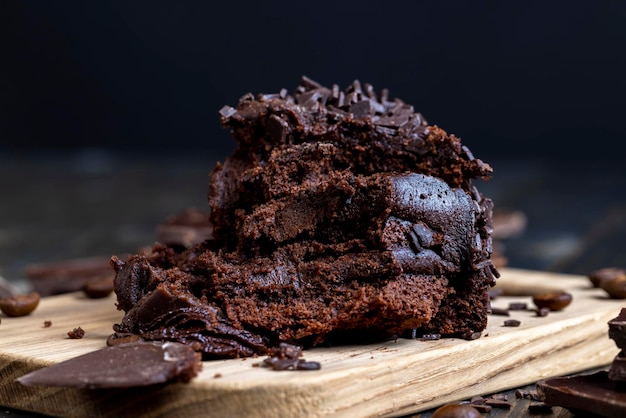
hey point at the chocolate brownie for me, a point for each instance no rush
(339, 214)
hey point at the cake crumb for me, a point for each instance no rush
(76, 333)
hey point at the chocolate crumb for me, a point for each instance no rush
(522, 394)
(76, 333)
(498, 403)
(512, 323)
(500, 311)
(539, 408)
(431, 337)
(471, 335)
(500, 397)
(543, 311)
(287, 357)
(518, 306)
(217, 375)
(47, 324)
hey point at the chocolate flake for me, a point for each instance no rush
(287, 357)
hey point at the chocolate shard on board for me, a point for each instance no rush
(617, 329)
(339, 213)
(121, 366)
(585, 394)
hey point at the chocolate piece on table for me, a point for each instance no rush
(185, 229)
(66, 276)
(617, 372)
(617, 329)
(121, 366)
(593, 393)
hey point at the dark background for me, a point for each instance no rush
(511, 78)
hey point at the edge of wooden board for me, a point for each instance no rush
(384, 379)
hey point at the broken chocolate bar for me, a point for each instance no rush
(121, 366)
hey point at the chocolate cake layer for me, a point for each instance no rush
(339, 213)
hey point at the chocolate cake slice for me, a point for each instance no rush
(340, 214)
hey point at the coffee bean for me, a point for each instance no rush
(456, 411)
(19, 305)
(554, 301)
(616, 287)
(596, 277)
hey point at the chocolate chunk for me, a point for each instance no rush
(543, 311)
(512, 323)
(522, 394)
(431, 337)
(498, 403)
(593, 394)
(617, 329)
(76, 333)
(617, 372)
(47, 324)
(539, 408)
(471, 335)
(19, 305)
(287, 357)
(122, 366)
(499, 311)
(518, 306)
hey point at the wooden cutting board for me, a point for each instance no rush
(382, 379)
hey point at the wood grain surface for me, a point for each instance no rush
(389, 378)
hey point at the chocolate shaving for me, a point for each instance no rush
(287, 357)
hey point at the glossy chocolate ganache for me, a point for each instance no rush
(341, 215)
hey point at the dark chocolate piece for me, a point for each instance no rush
(512, 323)
(518, 306)
(617, 329)
(500, 311)
(338, 213)
(593, 393)
(617, 372)
(122, 366)
(287, 357)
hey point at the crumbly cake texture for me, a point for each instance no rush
(340, 216)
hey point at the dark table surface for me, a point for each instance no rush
(58, 207)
